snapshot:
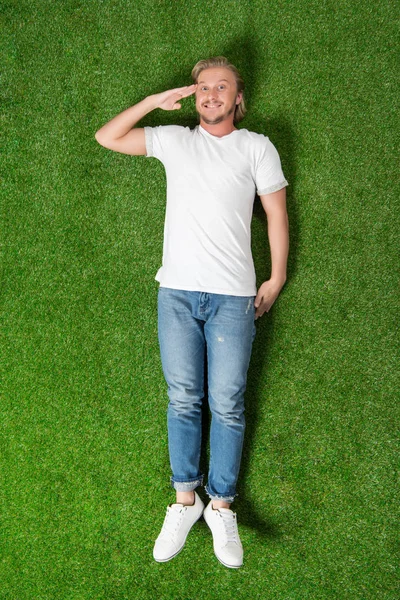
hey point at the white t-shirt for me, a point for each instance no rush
(211, 185)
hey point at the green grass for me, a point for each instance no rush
(84, 464)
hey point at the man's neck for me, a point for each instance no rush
(219, 129)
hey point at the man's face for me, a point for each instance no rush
(216, 95)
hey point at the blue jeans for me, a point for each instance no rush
(191, 326)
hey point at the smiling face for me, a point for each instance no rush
(216, 95)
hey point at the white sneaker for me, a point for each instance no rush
(177, 524)
(227, 545)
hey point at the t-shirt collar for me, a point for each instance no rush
(215, 137)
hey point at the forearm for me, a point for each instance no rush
(278, 236)
(125, 121)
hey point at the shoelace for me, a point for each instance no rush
(228, 525)
(172, 521)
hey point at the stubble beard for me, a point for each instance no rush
(216, 120)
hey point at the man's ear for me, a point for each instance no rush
(239, 98)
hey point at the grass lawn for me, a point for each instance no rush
(84, 464)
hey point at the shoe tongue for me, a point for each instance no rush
(225, 511)
(178, 506)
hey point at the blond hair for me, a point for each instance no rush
(221, 61)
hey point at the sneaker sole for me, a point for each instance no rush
(226, 565)
(164, 560)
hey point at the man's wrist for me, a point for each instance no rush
(150, 103)
(278, 281)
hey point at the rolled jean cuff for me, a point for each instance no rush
(187, 486)
(228, 499)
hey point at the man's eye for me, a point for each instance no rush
(203, 89)
(221, 87)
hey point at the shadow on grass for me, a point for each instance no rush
(281, 134)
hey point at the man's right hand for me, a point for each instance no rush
(170, 100)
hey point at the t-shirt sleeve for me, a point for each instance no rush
(160, 140)
(148, 134)
(153, 143)
(269, 174)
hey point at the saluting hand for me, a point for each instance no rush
(170, 100)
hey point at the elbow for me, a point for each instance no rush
(98, 138)
(103, 141)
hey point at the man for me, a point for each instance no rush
(207, 299)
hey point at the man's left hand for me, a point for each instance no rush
(266, 296)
